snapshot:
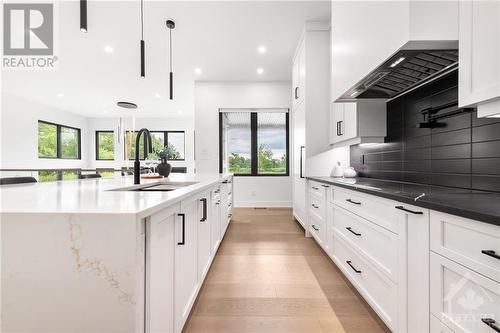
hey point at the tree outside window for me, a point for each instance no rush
(105, 145)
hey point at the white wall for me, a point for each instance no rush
(209, 97)
(322, 164)
(19, 134)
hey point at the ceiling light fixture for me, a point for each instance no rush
(83, 15)
(127, 105)
(260, 71)
(395, 63)
(261, 49)
(143, 44)
(109, 49)
(198, 70)
(170, 26)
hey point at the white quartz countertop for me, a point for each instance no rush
(88, 196)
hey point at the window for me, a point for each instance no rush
(105, 145)
(254, 143)
(58, 141)
(161, 139)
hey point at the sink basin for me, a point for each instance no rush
(162, 186)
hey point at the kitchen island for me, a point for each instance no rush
(105, 255)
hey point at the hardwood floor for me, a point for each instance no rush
(267, 277)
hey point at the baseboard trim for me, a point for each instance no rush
(277, 204)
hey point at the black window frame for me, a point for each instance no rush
(97, 145)
(165, 142)
(254, 149)
(58, 141)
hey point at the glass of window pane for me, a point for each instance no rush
(238, 138)
(130, 146)
(271, 143)
(158, 139)
(47, 176)
(175, 141)
(106, 146)
(69, 143)
(47, 140)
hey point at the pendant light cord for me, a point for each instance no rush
(142, 19)
(170, 49)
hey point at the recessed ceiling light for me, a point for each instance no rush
(262, 49)
(109, 49)
(60, 95)
(260, 71)
(157, 95)
(198, 70)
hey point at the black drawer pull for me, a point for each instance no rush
(326, 186)
(491, 323)
(354, 202)
(314, 227)
(204, 218)
(408, 210)
(315, 188)
(354, 232)
(183, 229)
(354, 269)
(315, 206)
(491, 253)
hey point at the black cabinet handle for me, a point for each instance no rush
(353, 268)
(302, 148)
(314, 227)
(296, 92)
(315, 206)
(225, 182)
(491, 323)
(340, 127)
(204, 218)
(491, 253)
(315, 188)
(352, 231)
(354, 202)
(408, 210)
(326, 186)
(183, 229)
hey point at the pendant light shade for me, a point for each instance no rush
(83, 15)
(143, 44)
(171, 26)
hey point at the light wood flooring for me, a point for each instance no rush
(267, 277)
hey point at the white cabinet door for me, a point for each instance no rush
(349, 126)
(298, 76)
(186, 265)
(479, 56)
(299, 156)
(204, 235)
(302, 73)
(215, 214)
(336, 123)
(160, 237)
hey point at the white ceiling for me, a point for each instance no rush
(221, 38)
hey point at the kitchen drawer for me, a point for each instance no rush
(376, 244)
(318, 230)
(438, 327)
(461, 298)
(378, 290)
(318, 189)
(378, 210)
(473, 244)
(317, 207)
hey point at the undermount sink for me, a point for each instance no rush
(164, 186)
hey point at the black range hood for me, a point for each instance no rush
(413, 65)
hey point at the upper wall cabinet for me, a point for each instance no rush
(479, 70)
(298, 76)
(367, 33)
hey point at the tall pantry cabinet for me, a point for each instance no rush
(310, 107)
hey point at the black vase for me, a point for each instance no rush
(164, 168)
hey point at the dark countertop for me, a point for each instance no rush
(477, 205)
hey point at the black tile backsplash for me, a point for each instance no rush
(465, 153)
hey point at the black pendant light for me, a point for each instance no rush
(83, 15)
(143, 44)
(170, 26)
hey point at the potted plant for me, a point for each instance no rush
(165, 154)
